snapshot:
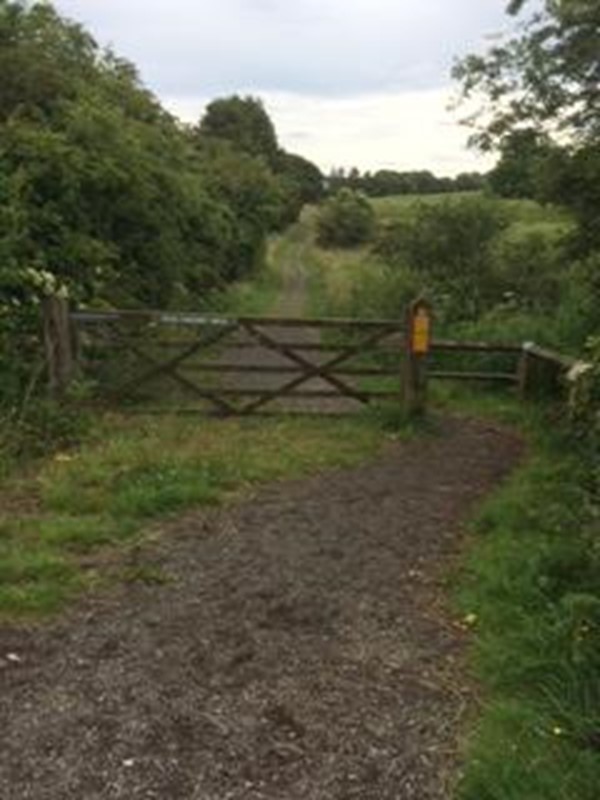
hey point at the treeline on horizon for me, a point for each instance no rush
(389, 182)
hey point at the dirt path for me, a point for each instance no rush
(298, 650)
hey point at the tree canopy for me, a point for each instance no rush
(244, 123)
(547, 77)
(540, 105)
(104, 195)
(101, 187)
(389, 182)
(347, 219)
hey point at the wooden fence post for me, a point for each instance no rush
(524, 371)
(58, 343)
(417, 343)
(542, 372)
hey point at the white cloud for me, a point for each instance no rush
(326, 47)
(347, 82)
(403, 130)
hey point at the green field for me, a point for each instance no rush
(514, 284)
(525, 211)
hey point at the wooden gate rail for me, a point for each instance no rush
(166, 344)
(452, 345)
(482, 377)
(485, 348)
(365, 335)
(311, 370)
(542, 370)
(170, 368)
(181, 319)
(297, 393)
(357, 372)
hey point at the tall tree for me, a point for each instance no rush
(524, 154)
(300, 182)
(244, 122)
(245, 126)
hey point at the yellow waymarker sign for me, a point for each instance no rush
(421, 333)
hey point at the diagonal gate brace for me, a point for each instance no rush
(170, 368)
(310, 369)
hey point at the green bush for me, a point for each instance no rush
(346, 220)
(449, 247)
(529, 265)
(39, 426)
(578, 312)
(379, 291)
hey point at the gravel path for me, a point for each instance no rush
(298, 651)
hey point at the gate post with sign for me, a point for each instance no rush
(417, 347)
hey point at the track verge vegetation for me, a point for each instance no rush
(529, 589)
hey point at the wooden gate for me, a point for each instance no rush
(237, 365)
(160, 361)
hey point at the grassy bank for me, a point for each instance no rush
(530, 589)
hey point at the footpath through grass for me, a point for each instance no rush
(530, 588)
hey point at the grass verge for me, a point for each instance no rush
(531, 590)
(139, 469)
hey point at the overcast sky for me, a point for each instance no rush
(347, 82)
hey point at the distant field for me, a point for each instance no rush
(521, 212)
(392, 207)
(528, 259)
